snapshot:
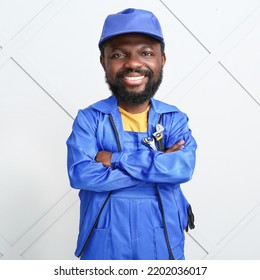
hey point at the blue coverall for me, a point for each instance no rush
(136, 209)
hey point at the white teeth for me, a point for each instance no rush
(134, 78)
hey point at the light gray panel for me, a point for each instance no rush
(224, 118)
(225, 122)
(66, 50)
(245, 245)
(15, 14)
(243, 61)
(59, 242)
(212, 21)
(33, 152)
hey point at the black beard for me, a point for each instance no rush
(131, 97)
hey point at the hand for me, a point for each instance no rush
(104, 157)
(176, 147)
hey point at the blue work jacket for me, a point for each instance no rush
(99, 127)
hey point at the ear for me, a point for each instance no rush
(102, 62)
(163, 59)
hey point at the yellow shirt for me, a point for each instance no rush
(134, 122)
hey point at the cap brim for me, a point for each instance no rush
(105, 38)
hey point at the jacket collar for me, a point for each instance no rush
(109, 106)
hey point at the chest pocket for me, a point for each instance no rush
(133, 141)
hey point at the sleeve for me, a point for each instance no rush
(84, 172)
(154, 166)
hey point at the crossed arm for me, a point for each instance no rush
(90, 169)
(105, 157)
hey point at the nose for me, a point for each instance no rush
(133, 62)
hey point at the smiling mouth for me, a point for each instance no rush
(138, 78)
(134, 81)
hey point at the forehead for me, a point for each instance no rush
(131, 40)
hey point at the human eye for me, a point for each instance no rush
(147, 53)
(118, 55)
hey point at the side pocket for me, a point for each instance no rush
(99, 247)
(161, 248)
(185, 211)
(191, 219)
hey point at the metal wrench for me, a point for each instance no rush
(158, 134)
(149, 142)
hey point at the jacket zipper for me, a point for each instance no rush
(109, 194)
(171, 257)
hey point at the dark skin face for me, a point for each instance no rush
(133, 52)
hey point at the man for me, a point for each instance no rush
(129, 153)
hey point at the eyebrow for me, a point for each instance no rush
(124, 48)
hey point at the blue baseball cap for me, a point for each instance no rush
(131, 21)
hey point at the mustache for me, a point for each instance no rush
(142, 72)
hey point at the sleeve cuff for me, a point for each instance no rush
(115, 159)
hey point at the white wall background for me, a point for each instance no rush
(49, 68)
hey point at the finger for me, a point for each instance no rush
(176, 147)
